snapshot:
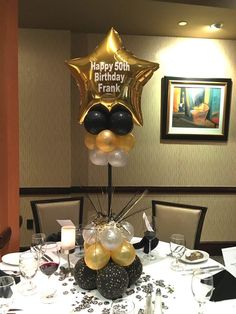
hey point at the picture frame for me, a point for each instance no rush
(195, 108)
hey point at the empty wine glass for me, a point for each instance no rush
(202, 287)
(28, 266)
(79, 241)
(48, 264)
(37, 242)
(7, 290)
(177, 247)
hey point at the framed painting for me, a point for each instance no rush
(195, 108)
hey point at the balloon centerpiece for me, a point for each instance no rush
(110, 81)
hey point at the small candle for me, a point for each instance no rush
(68, 237)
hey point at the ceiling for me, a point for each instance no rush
(134, 17)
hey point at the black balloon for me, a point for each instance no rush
(112, 281)
(84, 276)
(96, 121)
(134, 270)
(121, 122)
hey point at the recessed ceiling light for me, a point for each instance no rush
(182, 23)
(216, 26)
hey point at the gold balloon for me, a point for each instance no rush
(96, 256)
(126, 142)
(124, 255)
(106, 141)
(110, 75)
(90, 141)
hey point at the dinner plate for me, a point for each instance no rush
(11, 258)
(196, 261)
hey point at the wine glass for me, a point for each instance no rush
(48, 264)
(7, 290)
(122, 306)
(37, 242)
(202, 287)
(28, 266)
(150, 234)
(79, 241)
(177, 247)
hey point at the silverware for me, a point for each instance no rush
(208, 269)
(204, 267)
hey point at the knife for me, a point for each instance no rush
(204, 267)
(208, 269)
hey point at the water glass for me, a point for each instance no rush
(7, 290)
(122, 306)
(28, 265)
(177, 248)
(202, 287)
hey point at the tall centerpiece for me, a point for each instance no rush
(110, 81)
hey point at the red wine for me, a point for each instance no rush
(49, 268)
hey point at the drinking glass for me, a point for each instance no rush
(28, 266)
(79, 241)
(202, 287)
(37, 243)
(122, 306)
(7, 290)
(177, 247)
(48, 264)
(150, 235)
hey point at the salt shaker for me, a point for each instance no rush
(158, 302)
(148, 305)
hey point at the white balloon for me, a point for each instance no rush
(111, 237)
(127, 230)
(118, 158)
(90, 234)
(97, 157)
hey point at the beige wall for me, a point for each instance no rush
(52, 152)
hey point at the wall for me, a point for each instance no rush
(152, 162)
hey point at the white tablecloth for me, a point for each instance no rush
(180, 301)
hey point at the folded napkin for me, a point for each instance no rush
(225, 286)
(17, 278)
(144, 243)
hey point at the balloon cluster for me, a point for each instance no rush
(108, 241)
(110, 80)
(109, 138)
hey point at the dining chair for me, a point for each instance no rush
(179, 218)
(46, 213)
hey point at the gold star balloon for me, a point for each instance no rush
(111, 75)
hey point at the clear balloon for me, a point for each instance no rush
(124, 255)
(118, 158)
(90, 234)
(90, 141)
(127, 230)
(98, 157)
(96, 256)
(126, 142)
(106, 141)
(111, 237)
